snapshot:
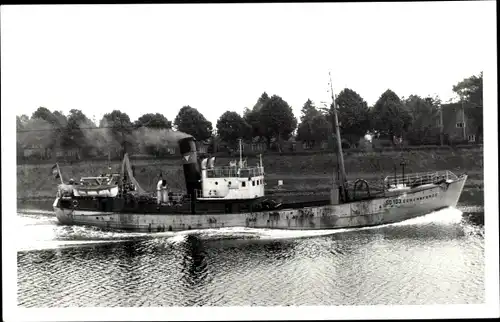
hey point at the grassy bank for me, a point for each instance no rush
(299, 172)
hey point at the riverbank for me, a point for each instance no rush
(299, 172)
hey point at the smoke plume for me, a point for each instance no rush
(36, 132)
(146, 138)
(101, 138)
(40, 133)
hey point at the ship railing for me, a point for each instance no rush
(419, 178)
(234, 172)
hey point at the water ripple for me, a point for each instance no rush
(435, 259)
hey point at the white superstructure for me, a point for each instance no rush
(233, 182)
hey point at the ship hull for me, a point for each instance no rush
(371, 212)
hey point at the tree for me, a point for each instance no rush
(309, 111)
(306, 129)
(154, 121)
(322, 128)
(60, 119)
(353, 115)
(470, 91)
(21, 122)
(74, 135)
(231, 127)
(45, 114)
(389, 117)
(252, 117)
(192, 122)
(263, 99)
(424, 113)
(57, 122)
(277, 120)
(119, 127)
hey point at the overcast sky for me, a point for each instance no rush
(216, 57)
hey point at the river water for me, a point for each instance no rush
(434, 259)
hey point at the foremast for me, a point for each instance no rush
(342, 174)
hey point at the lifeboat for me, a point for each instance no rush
(102, 186)
(96, 191)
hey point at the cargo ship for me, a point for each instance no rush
(233, 195)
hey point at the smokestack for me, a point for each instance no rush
(192, 174)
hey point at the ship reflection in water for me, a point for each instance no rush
(435, 259)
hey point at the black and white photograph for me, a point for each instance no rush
(250, 161)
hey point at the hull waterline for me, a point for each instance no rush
(349, 215)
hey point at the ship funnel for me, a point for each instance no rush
(190, 165)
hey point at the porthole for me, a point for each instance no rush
(216, 183)
(243, 183)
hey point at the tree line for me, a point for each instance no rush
(270, 120)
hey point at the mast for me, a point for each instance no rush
(441, 124)
(343, 176)
(241, 161)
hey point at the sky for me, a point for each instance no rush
(221, 57)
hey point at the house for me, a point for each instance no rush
(36, 151)
(35, 145)
(458, 127)
(255, 145)
(71, 153)
(201, 147)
